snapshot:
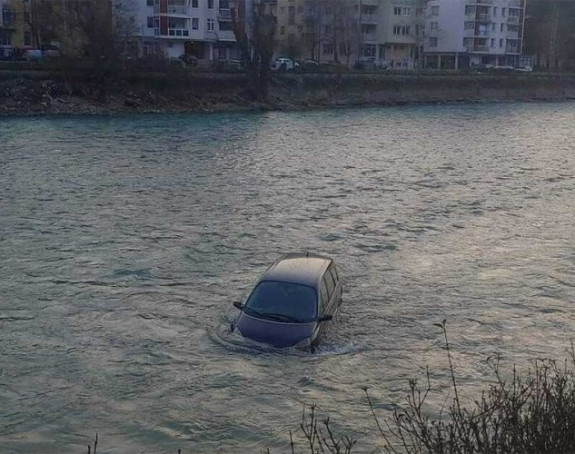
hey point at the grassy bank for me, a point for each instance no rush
(33, 91)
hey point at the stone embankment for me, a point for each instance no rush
(39, 92)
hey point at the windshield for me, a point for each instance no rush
(283, 301)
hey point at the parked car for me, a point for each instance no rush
(370, 64)
(33, 55)
(308, 66)
(291, 302)
(6, 54)
(188, 60)
(50, 51)
(283, 64)
(524, 69)
(482, 67)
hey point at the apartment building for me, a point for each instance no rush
(348, 31)
(202, 28)
(398, 33)
(71, 27)
(14, 26)
(465, 33)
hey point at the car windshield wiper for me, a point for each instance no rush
(272, 316)
(281, 317)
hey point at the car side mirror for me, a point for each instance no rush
(239, 305)
(325, 318)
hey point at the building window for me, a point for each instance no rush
(327, 49)
(194, 3)
(469, 10)
(469, 25)
(225, 26)
(502, 12)
(27, 39)
(402, 11)
(401, 29)
(500, 43)
(195, 23)
(494, 11)
(5, 38)
(291, 15)
(502, 27)
(368, 50)
(433, 42)
(211, 4)
(435, 10)
(8, 16)
(151, 21)
(492, 42)
(211, 25)
(150, 2)
(434, 25)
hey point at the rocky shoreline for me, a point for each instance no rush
(46, 94)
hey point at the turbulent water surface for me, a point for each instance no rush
(124, 241)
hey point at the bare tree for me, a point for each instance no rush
(254, 27)
(333, 24)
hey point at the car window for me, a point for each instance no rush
(330, 284)
(333, 274)
(333, 270)
(324, 298)
(283, 301)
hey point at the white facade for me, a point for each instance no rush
(397, 32)
(380, 31)
(202, 28)
(464, 33)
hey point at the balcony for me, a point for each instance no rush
(514, 4)
(512, 35)
(173, 33)
(484, 17)
(482, 49)
(369, 37)
(510, 49)
(513, 20)
(172, 10)
(472, 33)
(369, 19)
(225, 15)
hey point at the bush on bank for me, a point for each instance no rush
(532, 412)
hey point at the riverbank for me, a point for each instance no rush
(46, 93)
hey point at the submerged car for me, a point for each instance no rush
(291, 302)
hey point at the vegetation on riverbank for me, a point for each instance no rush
(531, 412)
(26, 91)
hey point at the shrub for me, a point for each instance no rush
(530, 413)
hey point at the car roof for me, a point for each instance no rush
(300, 268)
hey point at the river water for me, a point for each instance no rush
(124, 241)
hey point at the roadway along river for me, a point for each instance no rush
(124, 241)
